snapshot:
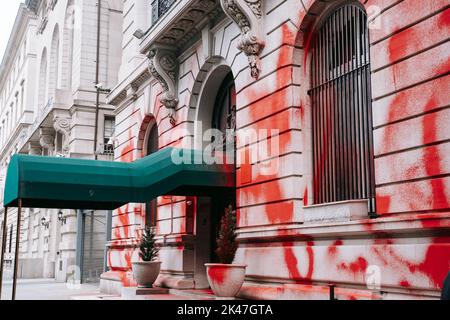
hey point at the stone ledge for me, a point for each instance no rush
(130, 293)
(342, 211)
(414, 223)
(174, 282)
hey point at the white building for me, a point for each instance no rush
(50, 80)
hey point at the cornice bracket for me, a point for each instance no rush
(163, 65)
(247, 14)
(62, 125)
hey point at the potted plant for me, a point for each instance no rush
(146, 271)
(226, 278)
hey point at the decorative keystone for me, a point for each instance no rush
(247, 14)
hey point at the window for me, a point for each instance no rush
(224, 115)
(16, 111)
(8, 124)
(343, 166)
(22, 93)
(108, 135)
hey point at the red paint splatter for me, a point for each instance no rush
(332, 250)
(358, 266)
(291, 262)
(218, 274)
(436, 264)
(305, 197)
(383, 203)
(405, 283)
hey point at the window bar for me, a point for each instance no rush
(330, 114)
(320, 114)
(324, 118)
(353, 122)
(336, 126)
(357, 106)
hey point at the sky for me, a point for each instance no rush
(8, 14)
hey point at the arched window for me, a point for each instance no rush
(224, 115)
(151, 147)
(54, 64)
(341, 108)
(42, 94)
(67, 50)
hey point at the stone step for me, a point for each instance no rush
(196, 294)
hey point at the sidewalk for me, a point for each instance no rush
(46, 289)
(129, 294)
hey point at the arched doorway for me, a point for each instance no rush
(224, 120)
(151, 146)
(218, 100)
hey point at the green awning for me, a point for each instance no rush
(46, 182)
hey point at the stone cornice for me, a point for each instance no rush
(247, 14)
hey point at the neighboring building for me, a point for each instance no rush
(17, 88)
(358, 194)
(58, 119)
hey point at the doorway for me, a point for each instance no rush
(95, 232)
(152, 146)
(211, 209)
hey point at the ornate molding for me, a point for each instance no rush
(163, 65)
(47, 139)
(247, 14)
(62, 125)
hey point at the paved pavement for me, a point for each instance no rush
(47, 289)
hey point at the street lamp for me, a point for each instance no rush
(45, 223)
(61, 218)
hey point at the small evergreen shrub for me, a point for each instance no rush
(148, 248)
(226, 241)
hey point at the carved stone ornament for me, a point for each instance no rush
(62, 125)
(46, 140)
(247, 14)
(163, 65)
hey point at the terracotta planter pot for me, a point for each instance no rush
(146, 273)
(225, 279)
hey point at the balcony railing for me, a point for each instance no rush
(105, 152)
(160, 8)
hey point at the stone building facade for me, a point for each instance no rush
(51, 61)
(367, 212)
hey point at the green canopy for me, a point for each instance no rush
(46, 182)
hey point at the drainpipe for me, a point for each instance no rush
(97, 76)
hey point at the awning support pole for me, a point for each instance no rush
(5, 218)
(16, 259)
